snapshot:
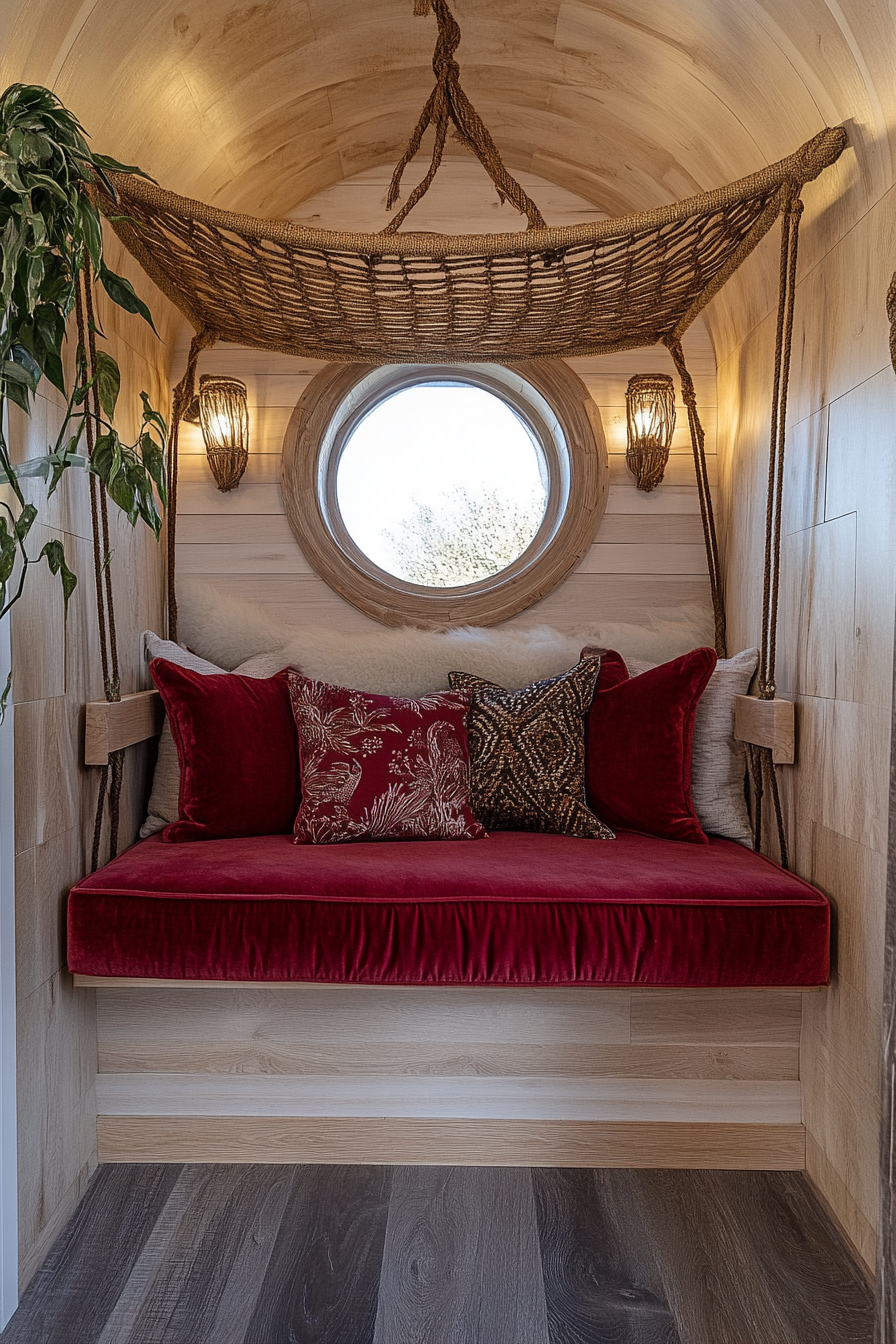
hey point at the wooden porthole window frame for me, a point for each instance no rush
(559, 410)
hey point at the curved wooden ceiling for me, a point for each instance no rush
(630, 103)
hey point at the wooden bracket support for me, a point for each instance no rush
(766, 723)
(110, 725)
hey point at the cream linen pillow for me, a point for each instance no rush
(719, 763)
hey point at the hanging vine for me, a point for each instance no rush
(51, 245)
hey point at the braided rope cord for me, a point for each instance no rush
(448, 102)
(183, 394)
(783, 343)
(90, 434)
(104, 511)
(710, 539)
(762, 764)
(111, 774)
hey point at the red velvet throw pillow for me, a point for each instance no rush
(378, 767)
(238, 749)
(638, 739)
(613, 668)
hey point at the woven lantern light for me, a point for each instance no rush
(224, 418)
(650, 415)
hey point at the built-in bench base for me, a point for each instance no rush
(462, 1075)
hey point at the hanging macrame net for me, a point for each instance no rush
(538, 293)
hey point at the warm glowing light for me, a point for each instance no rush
(650, 408)
(224, 417)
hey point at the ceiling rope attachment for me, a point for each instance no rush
(448, 103)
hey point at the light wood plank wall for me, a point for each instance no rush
(56, 668)
(836, 633)
(533, 1076)
(648, 555)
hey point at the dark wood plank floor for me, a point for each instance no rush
(445, 1255)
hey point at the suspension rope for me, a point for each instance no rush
(104, 515)
(180, 403)
(111, 774)
(710, 539)
(763, 771)
(790, 222)
(448, 103)
(90, 434)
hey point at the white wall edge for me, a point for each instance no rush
(9, 1214)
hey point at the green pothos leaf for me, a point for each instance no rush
(122, 292)
(108, 381)
(24, 522)
(16, 373)
(91, 230)
(152, 417)
(8, 552)
(19, 394)
(26, 361)
(4, 698)
(154, 462)
(117, 167)
(54, 552)
(9, 175)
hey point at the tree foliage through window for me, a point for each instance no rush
(465, 538)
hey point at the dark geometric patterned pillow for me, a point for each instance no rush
(527, 753)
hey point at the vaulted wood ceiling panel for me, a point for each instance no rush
(704, 91)
(631, 103)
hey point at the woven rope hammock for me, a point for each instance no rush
(538, 293)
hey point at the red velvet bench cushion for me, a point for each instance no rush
(514, 909)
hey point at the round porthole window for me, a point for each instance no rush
(437, 495)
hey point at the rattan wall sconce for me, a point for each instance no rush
(650, 419)
(222, 411)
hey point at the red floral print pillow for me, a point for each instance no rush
(375, 767)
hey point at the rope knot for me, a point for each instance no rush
(446, 70)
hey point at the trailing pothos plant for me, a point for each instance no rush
(50, 237)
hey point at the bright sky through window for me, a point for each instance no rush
(442, 484)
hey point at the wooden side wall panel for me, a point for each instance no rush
(835, 652)
(56, 669)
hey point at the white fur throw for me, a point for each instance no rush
(411, 662)
(237, 637)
